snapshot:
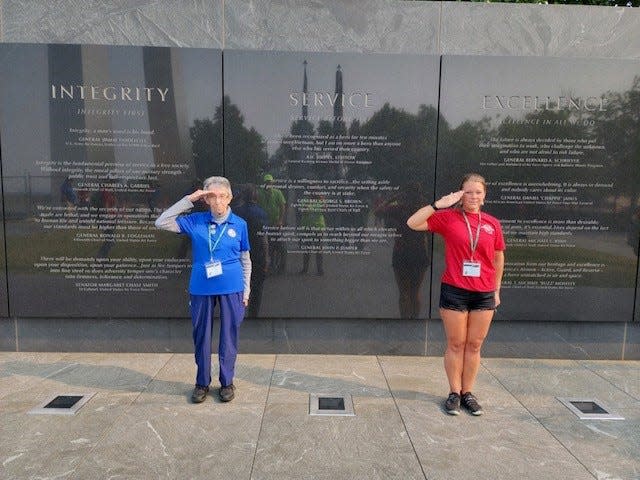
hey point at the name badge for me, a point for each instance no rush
(213, 268)
(470, 269)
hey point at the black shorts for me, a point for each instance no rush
(454, 298)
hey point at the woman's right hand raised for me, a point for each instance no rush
(449, 200)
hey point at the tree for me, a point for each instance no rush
(245, 150)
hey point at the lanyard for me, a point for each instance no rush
(474, 243)
(212, 249)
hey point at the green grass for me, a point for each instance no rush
(618, 271)
(24, 251)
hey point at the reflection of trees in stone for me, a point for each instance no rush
(414, 152)
(619, 128)
(246, 152)
(557, 125)
(458, 151)
(277, 164)
(206, 139)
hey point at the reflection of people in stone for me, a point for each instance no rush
(273, 202)
(410, 258)
(470, 292)
(105, 203)
(256, 219)
(633, 234)
(312, 218)
(220, 273)
(68, 195)
(83, 199)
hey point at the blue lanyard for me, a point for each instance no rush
(212, 249)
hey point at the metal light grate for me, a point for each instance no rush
(589, 409)
(67, 404)
(331, 405)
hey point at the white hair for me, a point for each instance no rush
(217, 181)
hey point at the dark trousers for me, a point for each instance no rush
(231, 315)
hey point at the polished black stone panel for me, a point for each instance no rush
(632, 342)
(334, 336)
(589, 407)
(330, 336)
(365, 337)
(104, 335)
(63, 401)
(350, 155)
(637, 305)
(543, 133)
(4, 305)
(7, 334)
(331, 403)
(513, 339)
(97, 141)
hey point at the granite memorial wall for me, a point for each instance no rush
(329, 153)
(556, 142)
(95, 140)
(347, 153)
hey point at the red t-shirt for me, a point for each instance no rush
(457, 247)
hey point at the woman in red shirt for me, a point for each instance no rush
(470, 292)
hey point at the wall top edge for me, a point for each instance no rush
(366, 26)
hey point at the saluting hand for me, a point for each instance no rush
(198, 195)
(449, 200)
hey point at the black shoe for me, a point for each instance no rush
(199, 394)
(452, 404)
(471, 403)
(227, 393)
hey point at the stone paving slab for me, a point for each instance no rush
(141, 424)
(607, 448)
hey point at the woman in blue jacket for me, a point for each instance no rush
(220, 274)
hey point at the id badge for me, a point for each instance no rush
(214, 268)
(470, 269)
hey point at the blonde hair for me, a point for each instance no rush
(473, 177)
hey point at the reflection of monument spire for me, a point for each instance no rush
(305, 108)
(338, 115)
(337, 107)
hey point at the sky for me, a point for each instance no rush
(466, 79)
(259, 83)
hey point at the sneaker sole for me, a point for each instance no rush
(453, 412)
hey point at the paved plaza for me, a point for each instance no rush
(140, 423)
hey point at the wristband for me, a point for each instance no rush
(433, 205)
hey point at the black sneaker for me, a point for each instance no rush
(471, 403)
(452, 404)
(199, 394)
(227, 393)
